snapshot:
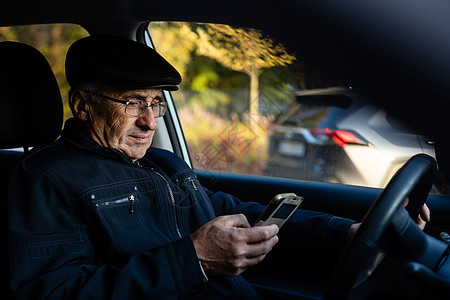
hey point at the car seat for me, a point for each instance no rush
(31, 113)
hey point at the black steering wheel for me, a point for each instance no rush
(413, 180)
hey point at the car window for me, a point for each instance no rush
(249, 106)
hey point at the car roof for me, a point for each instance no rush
(395, 52)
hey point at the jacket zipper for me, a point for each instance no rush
(131, 198)
(191, 180)
(172, 199)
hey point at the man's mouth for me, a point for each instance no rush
(140, 137)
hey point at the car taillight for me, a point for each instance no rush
(340, 137)
(343, 137)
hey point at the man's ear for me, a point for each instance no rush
(80, 104)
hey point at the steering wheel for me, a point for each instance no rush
(413, 180)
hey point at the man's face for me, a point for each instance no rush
(112, 127)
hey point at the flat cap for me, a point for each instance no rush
(119, 62)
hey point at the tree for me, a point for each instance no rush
(243, 50)
(177, 42)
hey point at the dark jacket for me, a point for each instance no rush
(86, 222)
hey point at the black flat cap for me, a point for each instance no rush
(119, 62)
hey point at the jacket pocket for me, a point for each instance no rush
(195, 195)
(122, 218)
(103, 204)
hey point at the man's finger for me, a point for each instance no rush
(254, 260)
(260, 234)
(425, 213)
(256, 250)
(238, 220)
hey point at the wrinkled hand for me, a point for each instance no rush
(423, 217)
(421, 220)
(228, 245)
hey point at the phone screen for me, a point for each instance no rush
(279, 209)
(284, 211)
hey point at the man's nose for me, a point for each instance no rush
(148, 120)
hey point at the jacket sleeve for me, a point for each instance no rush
(51, 255)
(313, 238)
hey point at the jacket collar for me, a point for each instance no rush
(74, 135)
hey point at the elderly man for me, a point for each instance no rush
(96, 214)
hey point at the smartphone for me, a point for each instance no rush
(279, 209)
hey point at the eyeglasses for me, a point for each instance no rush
(137, 108)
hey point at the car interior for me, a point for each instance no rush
(42, 113)
(414, 264)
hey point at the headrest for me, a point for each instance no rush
(31, 110)
(119, 62)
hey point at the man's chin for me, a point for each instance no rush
(135, 154)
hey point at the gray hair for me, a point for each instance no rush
(91, 88)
